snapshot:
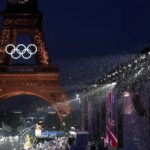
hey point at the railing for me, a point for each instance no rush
(27, 69)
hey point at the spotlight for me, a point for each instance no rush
(126, 94)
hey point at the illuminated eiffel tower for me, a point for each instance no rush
(23, 17)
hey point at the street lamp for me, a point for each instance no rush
(81, 110)
(78, 98)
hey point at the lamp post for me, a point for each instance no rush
(80, 108)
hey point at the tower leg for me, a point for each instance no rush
(6, 38)
(42, 55)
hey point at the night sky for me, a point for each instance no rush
(94, 28)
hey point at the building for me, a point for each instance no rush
(116, 108)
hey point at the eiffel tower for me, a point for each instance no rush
(42, 79)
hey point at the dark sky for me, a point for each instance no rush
(93, 28)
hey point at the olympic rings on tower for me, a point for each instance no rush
(21, 51)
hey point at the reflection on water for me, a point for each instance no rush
(16, 143)
(11, 143)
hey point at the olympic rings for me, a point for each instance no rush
(21, 51)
